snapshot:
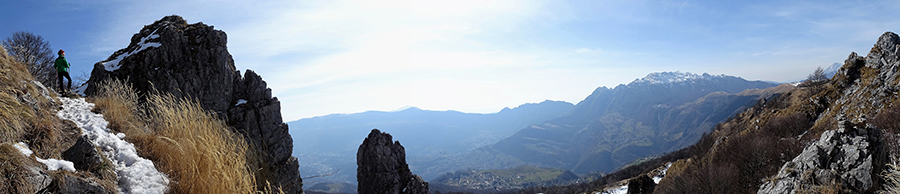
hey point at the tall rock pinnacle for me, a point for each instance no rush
(192, 61)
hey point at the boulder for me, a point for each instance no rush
(69, 184)
(641, 185)
(192, 61)
(846, 158)
(83, 154)
(382, 167)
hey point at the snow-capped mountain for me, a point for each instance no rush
(674, 77)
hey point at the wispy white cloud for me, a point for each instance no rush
(324, 57)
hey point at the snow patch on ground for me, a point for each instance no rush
(135, 174)
(661, 174)
(23, 148)
(113, 65)
(617, 190)
(52, 164)
(623, 185)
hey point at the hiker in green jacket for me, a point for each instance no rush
(62, 70)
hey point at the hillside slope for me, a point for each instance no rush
(832, 137)
(660, 113)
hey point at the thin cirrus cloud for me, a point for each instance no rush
(323, 57)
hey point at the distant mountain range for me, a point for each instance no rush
(328, 143)
(660, 113)
(653, 115)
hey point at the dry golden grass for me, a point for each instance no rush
(15, 117)
(891, 177)
(11, 162)
(195, 148)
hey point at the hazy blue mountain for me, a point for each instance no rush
(656, 114)
(833, 69)
(328, 143)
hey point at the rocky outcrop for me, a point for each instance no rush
(382, 167)
(192, 61)
(852, 156)
(641, 185)
(844, 158)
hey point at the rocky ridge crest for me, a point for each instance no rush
(192, 61)
(853, 155)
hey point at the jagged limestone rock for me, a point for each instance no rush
(192, 61)
(842, 158)
(382, 167)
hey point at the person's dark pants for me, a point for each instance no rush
(60, 75)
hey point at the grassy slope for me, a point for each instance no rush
(191, 145)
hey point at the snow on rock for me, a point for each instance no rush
(52, 164)
(80, 89)
(240, 102)
(136, 174)
(113, 65)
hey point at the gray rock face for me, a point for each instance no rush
(382, 167)
(68, 184)
(36, 177)
(845, 157)
(192, 61)
(83, 155)
(641, 185)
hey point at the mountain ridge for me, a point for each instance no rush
(326, 142)
(642, 108)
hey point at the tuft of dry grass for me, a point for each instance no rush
(11, 167)
(194, 147)
(891, 177)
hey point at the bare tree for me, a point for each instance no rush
(817, 76)
(35, 52)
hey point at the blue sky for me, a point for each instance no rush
(324, 57)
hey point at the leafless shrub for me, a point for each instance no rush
(35, 53)
(789, 125)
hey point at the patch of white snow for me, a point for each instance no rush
(80, 89)
(54, 164)
(113, 65)
(616, 190)
(240, 102)
(135, 174)
(662, 174)
(23, 148)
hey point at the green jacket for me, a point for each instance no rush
(61, 64)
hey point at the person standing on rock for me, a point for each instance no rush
(62, 70)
